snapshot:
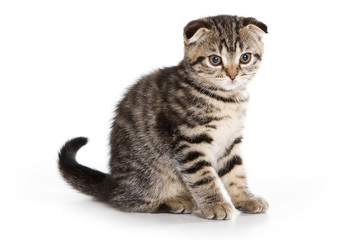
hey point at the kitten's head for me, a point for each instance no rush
(223, 51)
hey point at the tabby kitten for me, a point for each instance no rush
(176, 137)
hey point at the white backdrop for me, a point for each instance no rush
(65, 64)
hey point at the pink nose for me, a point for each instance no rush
(232, 72)
(232, 76)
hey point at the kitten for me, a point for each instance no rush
(177, 133)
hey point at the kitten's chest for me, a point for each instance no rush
(227, 129)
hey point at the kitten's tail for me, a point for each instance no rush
(83, 179)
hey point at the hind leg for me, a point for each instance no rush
(180, 204)
(171, 197)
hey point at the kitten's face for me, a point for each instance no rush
(224, 51)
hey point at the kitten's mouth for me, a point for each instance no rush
(235, 81)
(232, 82)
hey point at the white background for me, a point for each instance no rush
(65, 64)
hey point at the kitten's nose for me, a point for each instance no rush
(232, 76)
(232, 72)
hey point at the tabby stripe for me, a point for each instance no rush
(201, 104)
(241, 45)
(230, 164)
(198, 60)
(237, 27)
(257, 56)
(189, 82)
(240, 177)
(206, 120)
(230, 148)
(196, 139)
(210, 126)
(181, 147)
(192, 156)
(203, 181)
(234, 35)
(204, 173)
(190, 124)
(212, 198)
(210, 94)
(215, 24)
(196, 167)
(224, 43)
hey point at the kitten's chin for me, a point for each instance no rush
(232, 85)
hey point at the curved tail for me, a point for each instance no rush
(83, 179)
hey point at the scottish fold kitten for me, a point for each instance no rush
(177, 133)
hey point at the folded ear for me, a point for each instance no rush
(255, 25)
(194, 30)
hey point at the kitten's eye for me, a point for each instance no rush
(215, 60)
(245, 58)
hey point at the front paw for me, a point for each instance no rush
(218, 211)
(252, 205)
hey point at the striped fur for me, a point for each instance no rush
(176, 134)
